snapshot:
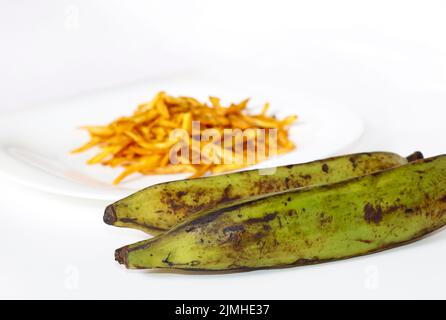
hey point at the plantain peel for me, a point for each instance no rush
(159, 207)
(311, 225)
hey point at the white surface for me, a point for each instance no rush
(35, 144)
(385, 60)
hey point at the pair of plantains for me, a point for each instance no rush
(301, 214)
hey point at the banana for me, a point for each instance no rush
(350, 218)
(162, 206)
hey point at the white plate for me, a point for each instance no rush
(35, 144)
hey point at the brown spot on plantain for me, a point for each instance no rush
(266, 218)
(173, 204)
(324, 219)
(234, 239)
(129, 220)
(325, 168)
(258, 235)
(372, 214)
(353, 162)
(234, 228)
(443, 199)
(269, 185)
(394, 208)
(177, 205)
(226, 196)
(287, 182)
(364, 241)
(181, 194)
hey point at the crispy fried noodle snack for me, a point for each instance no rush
(144, 142)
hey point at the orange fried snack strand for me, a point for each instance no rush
(144, 142)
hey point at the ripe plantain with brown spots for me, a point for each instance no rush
(317, 224)
(159, 207)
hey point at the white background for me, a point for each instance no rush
(386, 60)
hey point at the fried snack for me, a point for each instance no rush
(147, 141)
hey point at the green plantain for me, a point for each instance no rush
(164, 205)
(310, 225)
